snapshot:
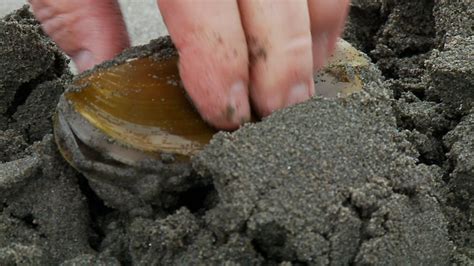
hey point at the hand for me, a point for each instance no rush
(233, 53)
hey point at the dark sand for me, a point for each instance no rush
(383, 177)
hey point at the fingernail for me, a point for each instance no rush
(239, 108)
(298, 93)
(84, 60)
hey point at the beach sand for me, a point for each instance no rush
(382, 177)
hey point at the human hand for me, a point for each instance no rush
(233, 53)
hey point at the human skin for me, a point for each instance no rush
(235, 55)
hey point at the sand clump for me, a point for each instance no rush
(382, 177)
(432, 83)
(43, 215)
(32, 76)
(377, 202)
(460, 143)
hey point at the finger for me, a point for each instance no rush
(327, 22)
(279, 41)
(89, 31)
(213, 57)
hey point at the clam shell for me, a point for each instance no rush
(134, 111)
(128, 118)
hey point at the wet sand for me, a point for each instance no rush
(382, 177)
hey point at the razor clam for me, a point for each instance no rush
(128, 122)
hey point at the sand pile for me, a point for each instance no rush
(384, 176)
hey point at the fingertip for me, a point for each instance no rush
(300, 93)
(228, 109)
(265, 106)
(88, 31)
(219, 91)
(281, 49)
(238, 108)
(213, 58)
(320, 50)
(327, 23)
(239, 100)
(83, 60)
(235, 112)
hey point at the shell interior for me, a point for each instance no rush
(142, 104)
